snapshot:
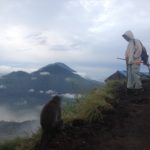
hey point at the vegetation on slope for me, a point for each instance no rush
(91, 107)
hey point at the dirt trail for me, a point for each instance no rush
(126, 129)
(133, 132)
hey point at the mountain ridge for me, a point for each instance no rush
(58, 64)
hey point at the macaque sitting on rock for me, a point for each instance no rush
(51, 121)
(51, 116)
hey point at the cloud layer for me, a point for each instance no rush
(84, 34)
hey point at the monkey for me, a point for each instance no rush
(50, 120)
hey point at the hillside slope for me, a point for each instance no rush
(126, 128)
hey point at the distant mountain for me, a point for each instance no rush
(31, 89)
(10, 130)
(56, 67)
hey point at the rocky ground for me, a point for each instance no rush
(126, 128)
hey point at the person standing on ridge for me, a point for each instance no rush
(133, 61)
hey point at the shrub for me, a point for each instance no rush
(91, 107)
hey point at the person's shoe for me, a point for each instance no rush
(141, 90)
(130, 91)
(138, 91)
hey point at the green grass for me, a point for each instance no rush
(91, 107)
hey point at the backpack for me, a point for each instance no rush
(144, 55)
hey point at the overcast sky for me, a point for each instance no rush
(83, 34)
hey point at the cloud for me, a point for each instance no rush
(84, 34)
(37, 38)
(6, 114)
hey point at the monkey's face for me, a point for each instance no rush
(56, 100)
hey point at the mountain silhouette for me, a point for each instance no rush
(18, 88)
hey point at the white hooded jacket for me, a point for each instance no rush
(134, 49)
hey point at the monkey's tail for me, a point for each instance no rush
(44, 141)
(46, 138)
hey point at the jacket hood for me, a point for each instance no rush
(129, 34)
